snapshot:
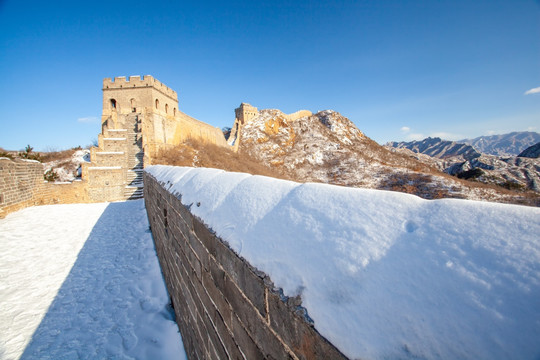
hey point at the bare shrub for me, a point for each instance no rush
(418, 184)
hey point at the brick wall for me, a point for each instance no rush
(20, 181)
(22, 185)
(225, 308)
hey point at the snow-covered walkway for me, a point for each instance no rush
(82, 281)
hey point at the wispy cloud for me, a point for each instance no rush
(418, 136)
(535, 90)
(88, 119)
(447, 136)
(410, 136)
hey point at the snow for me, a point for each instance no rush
(383, 274)
(82, 281)
(68, 170)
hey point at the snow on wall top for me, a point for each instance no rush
(383, 274)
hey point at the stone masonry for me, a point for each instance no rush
(243, 114)
(140, 117)
(22, 185)
(18, 183)
(225, 308)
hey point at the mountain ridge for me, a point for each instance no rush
(508, 171)
(531, 152)
(510, 144)
(327, 147)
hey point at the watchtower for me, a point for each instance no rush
(137, 95)
(140, 117)
(134, 111)
(245, 112)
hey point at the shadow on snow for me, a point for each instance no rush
(110, 305)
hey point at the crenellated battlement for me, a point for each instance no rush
(121, 82)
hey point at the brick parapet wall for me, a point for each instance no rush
(20, 181)
(22, 185)
(225, 308)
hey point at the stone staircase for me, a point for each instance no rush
(135, 155)
(116, 168)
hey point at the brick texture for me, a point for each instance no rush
(225, 308)
(22, 185)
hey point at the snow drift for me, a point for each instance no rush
(383, 274)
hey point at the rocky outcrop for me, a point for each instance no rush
(323, 147)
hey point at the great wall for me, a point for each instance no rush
(225, 308)
(140, 117)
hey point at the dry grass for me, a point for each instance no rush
(197, 154)
(56, 155)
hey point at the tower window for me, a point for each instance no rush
(166, 108)
(174, 111)
(157, 103)
(113, 104)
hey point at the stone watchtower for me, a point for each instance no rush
(243, 114)
(140, 117)
(130, 109)
(122, 98)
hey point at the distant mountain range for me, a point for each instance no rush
(504, 145)
(437, 148)
(497, 166)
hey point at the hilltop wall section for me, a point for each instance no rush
(245, 113)
(225, 308)
(191, 128)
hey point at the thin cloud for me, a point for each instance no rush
(411, 137)
(535, 90)
(88, 119)
(405, 129)
(447, 136)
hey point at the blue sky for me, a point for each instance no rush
(399, 69)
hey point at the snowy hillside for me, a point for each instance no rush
(384, 275)
(327, 147)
